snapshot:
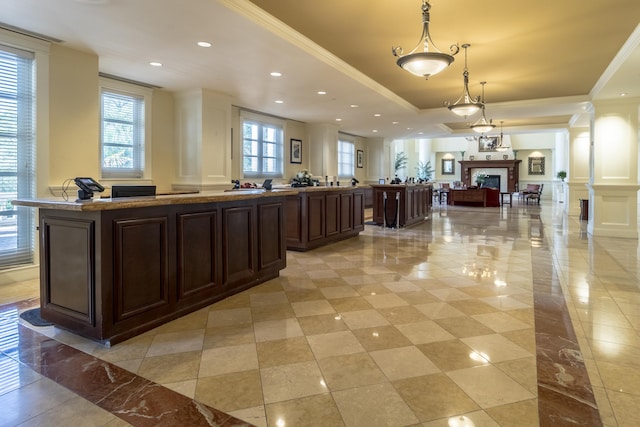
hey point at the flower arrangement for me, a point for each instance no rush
(302, 179)
(480, 178)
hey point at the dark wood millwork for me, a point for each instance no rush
(414, 203)
(114, 273)
(318, 216)
(512, 166)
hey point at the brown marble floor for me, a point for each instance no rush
(478, 317)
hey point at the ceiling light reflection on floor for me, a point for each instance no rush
(461, 421)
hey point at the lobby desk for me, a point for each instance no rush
(113, 268)
(317, 216)
(415, 203)
(486, 197)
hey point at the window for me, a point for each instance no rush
(262, 152)
(17, 158)
(346, 159)
(124, 112)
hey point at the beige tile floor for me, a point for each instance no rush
(429, 326)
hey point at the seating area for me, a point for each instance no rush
(443, 194)
(532, 193)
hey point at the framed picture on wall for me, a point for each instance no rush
(487, 143)
(296, 151)
(360, 158)
(536, 165)
(448, 167)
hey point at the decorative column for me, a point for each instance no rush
(203, 138)
(613, 187)
(377, 161)
(323, 149)
(578, 171)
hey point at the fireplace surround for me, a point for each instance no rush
(512, 167)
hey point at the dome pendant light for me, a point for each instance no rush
(428, 62)
(483, 125)
(465, 105)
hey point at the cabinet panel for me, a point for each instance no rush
(346, 212)
(239, 255)
(316, 216)
(141, 266)
(333, 214)
(68, 260)
(198, 250)
(359, 201)
(272, 251)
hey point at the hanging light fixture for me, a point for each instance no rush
(427, 62)
(483, 125)
(501, 146)
(465, 105)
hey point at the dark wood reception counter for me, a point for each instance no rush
(414, 204)
(317, 216)
(113, 268)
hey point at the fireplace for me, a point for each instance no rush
(508, 169)
(492, 181)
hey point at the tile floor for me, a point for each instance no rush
(478, 317)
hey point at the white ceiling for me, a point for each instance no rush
(249, 43)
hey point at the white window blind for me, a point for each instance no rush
(123, 134)
(346, 159)
(17, 159)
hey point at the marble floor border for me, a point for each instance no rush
(136, 400)
(565, 395)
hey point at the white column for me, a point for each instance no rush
(323, 150)
(560, 163)
(203, 137)
(613, 187)
(578, 170)
(376, 160)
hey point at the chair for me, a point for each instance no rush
(535, 196)
(444, 191)
(531, 189)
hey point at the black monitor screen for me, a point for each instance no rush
(132, 190)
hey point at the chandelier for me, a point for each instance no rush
(427, 62)
(465, 105)
(483, 125)
(500, 146)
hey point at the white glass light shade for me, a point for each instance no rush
(425, 64)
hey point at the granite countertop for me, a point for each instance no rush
(99, 204)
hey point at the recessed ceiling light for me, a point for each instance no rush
(353, 105)
(338, 120)
(394, 123)
(623, 93)
(279, 101)
(375, 131)
(275, 74)
(155, 64)
(377, 115)
(322, 92)
(204, 44)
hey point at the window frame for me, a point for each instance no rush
(262, 122)
(350, 162)
(144, 171)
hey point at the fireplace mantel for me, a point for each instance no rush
(512, 166)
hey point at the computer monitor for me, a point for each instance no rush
(132, 190)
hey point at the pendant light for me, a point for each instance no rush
(465, 105)
(483, 125)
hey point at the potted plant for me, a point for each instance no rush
(562, 175)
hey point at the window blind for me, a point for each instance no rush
(17, 156)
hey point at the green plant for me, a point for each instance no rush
(424, 171)
(562, 175)
(400, 162)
